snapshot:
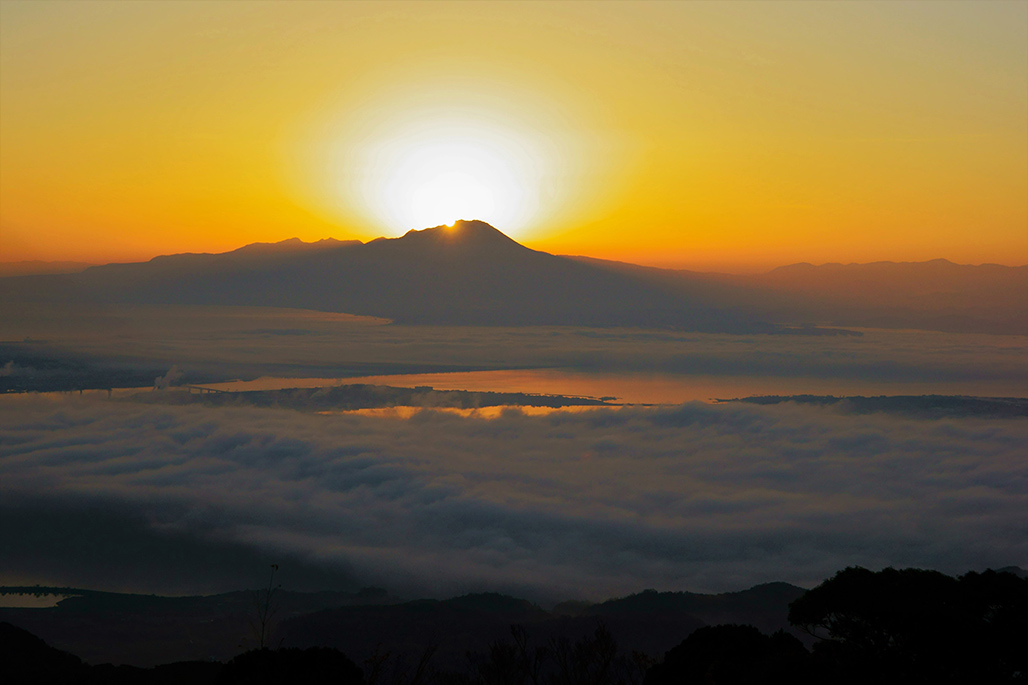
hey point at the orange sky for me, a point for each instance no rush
(729, 136)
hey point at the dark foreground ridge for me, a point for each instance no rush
(892, 626)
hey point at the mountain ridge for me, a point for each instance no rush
(470, 273)
(466, 274)
(296, 244)
(933, 295)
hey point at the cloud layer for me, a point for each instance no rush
(591, 504)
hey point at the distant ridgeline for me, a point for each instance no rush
(859, 627)
(927, 406)
(44, 367)
(472, 274)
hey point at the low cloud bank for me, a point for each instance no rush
(590, 504)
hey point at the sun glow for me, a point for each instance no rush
(429, 155)
(434, 173)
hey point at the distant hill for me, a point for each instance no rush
(934, 295)
(923, 406)
(1016, 570)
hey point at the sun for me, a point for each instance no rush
(400, 163)
(442, 198)
(437, 167)
(413, 156)
(434, 174)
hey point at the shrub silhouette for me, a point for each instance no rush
(264, 610)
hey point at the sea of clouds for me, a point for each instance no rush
(181, 499)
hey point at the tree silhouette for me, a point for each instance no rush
(591, 660)
(264, 610)
(916, 626)
(733, 655)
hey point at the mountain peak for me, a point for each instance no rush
(462, 232)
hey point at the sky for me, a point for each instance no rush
(721, 136)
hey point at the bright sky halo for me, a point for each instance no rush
(439, 168)
(417, 156)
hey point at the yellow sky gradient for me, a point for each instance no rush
(731, 136)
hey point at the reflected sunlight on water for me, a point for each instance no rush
(478, 413)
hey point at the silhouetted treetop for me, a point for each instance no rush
(915, 626)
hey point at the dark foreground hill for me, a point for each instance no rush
(649, 623)
(146, 630)
(908, 626)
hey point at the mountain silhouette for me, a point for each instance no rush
(466, 274)
(472, 274)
